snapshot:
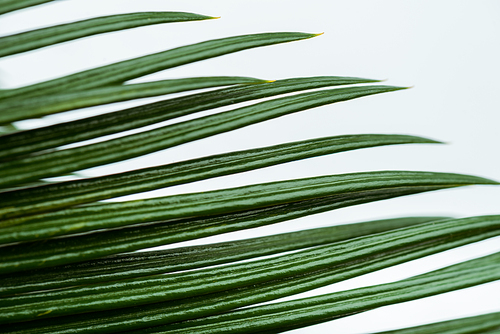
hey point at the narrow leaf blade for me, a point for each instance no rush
(11, 5)
(59, 195)
(157, 262)
(70, 160)
(55, 103)
(109, 215)
(120, 72)
(40, 38)
(39, 139)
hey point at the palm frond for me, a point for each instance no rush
(35, 39)
(67, 259)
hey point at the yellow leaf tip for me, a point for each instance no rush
(214, 17)
(316, 35)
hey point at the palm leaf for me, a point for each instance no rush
(215, 303)
(65, 161)
(62, 194)
(110, 215)
(11, 5)
(487, 323)
(130, 69)
(39, 139)
(304, 312)
(152, 289)
(40, 38)
(67, 265)
(56, 103)
(77, 248)
(156, 262)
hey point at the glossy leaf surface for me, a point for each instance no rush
(35, 39)
(38, 139)
(55, 196)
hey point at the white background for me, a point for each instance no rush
(448, 50)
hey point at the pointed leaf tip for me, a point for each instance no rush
(484, 181)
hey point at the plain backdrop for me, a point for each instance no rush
(448, 50)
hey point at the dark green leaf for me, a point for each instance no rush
(486, 323)
(132, 292)
(284, 316)
(69, 160)
(58, 195)
(79, 248)
(12, 5)
(215, 303)
(39, 38)
(129, 69)
(55, 103)
(156, 262)
(71, 132)
(109, 215)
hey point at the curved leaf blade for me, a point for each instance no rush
(159, 288)
(109, 215)
(59, 195)
(205, 305)
(55, 103)
(120, 72)
(11, 5)
(39, 139)
(40, 38)
(157, 262)
(71, 249)
(69, 160)
(305, 312)
(486, 323)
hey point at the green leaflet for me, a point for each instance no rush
(487, 323)
(159, 288)
(157, 262)
(69, 160)
(59, 195)
(284, 316)
(215, 303)
(12, 5)
(39, 38)
(34, 140)
(79, 248)
(55, 103)
(224, 201)
(137, 291)
(129, 69)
